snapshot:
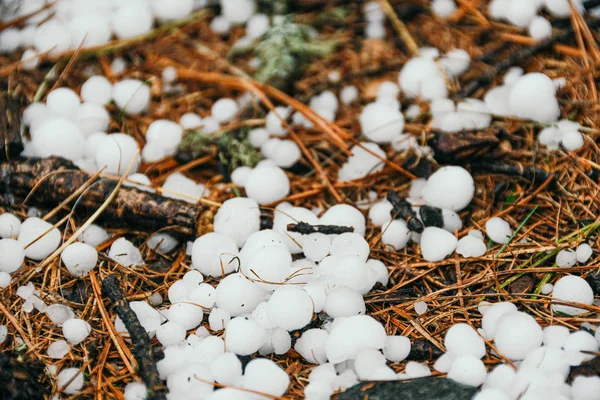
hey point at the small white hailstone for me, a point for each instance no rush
(498, 230)
(51, 37)
(223, 110)
(492, 315)
(380, 213)
(220, 25)
(396, 348)
(572, 140)
(586, 387)
(344, 302)
(190, 121)
(273, 123)
(258, 136)
(474, 114)
(170, 333)
(173, 10)
(204, 295)
(139, 181)
(572, 289)
(149, 317)
(237, 11)
(125, 253)
(135, 391)
(547, 288)
(13, 255)
(194, 380)
(92, 118)
(540, 28)
(35, 112)
(63, 102)
(311, 345)
(345, 380)
(239, 176)
(532, 96)
(72, 375)
(443, 363)
(452, 221)
(290, 308)
(30, 59)
(4, 279)
(284, 153)
(89, 30)
(344, 215)
(380, 123)
(455, 62)
(3, 333)
(555, 336)
(131, 20)
(116, 152)
(388, 89)
(31, 230)
(316, 246)
(417, 370)
(188, 315)
(496, 100)
(420, 77)
(468, 370)
(520, 13)
(420, 307)
(58, 137)
(517, 334)
(165, 133)
(503, 377)
(350, 243)
(93, 235)
(131, 95)
(584, 251)
(261, 317)
(265, 376)
(316, 291)
(238, 295)
(462, 340)
(443, 8)
(79, 258)
(375, 30)
(362, 161)
(10, 40)
(380, 270)
(281, 341)
(437, 244)
(244, 336)
(476, 233)
(270, 266)
(576, 343)
(395, 234)
(226, 369)
(238, 218)
(471, 246)
(213, 254)
(267, 184)
(348, 94)
(169, 74)
(218, 319)
(257, 25)
(75, 330)
(566, 258)
(58, 349)
(353, 334)
(450, 187)
(91, 143)
(31, 297)
(367, 361)
(561, 8)
(59, 314)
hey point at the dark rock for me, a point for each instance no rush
(429, 388)
(20, 377)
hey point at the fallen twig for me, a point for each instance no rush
(403, 209)
(304, 228)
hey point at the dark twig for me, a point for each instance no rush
(431, 216)
(10, 127)
(142, 344)
(423, 350)
(306, 229)
(403, 209)
(498, 167)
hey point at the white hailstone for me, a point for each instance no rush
(244, 336)
(450, 187)
(468, 370)
(577, 343)
(281, 341)
(223, 110)
(561, 8)
(131, 95)
(566, 258)
(269, 266)
(503, 377)
(265, 376)
(116, 152)
(149, 317)
(316, 246)
(380, 213)
(213, 254)
(10, 40)
(155, 299)
(380, 270)
(462, 340)
(47, 239)
(125, 253)
(381, 123)
(267, 184)
(239, 176)
(188, 315)
(420, 77)
(555, 336)
(498, 230)
(443, 363)
(93, 235)
(238, 218)
(238, 295)
(396, 348)
(258, 136)
(257, 25)
(96, 90)
(572, 289)
(273, 122)
(30, 59)
(512, 75)
(58, 137)
(517, 334)
(58, 349)
(344, 215)
(173, 10)
(75, 330)
(585, 387)
(284, 153)
(290, 308)
(417, 370)
(572, 140)
(420, 307)
(92, 118)
(547, 360)
(180, 187)
(348, 94)
(351, 335)
(51, 37)
(139, 181)
(395, 234)
(220, 25)
(194, 380)
(443, 8)
(350, 243)
(13, 255)
(455, 62)
(4, 279)
(344, 302)
(367, 361)
(362, 161)
(540, 28)
(237, 11)
(89, 30)
(375, 30)
(79, 258)
(70, 380)
(204, 295)
(520, 13)
(91, 143)
(584, 251)
(496, 100)
(190, 121)
(474, 114)
(218, 319)
(63, 102)
(131, 19)
(387, 89)
(169, 74)
(135, 391)
(293, 241)
(226, 369)
(437, 244)
(492, 315)
(471, 246)
(532, 96)
(35, 113)
(170, 333)
(547, 288)
(167, 134)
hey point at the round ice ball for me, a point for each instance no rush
(572, 289)
(75, 330)
(498, 230)
(131, 95)
(58, 137)
(131, 20)
(344, 215)
(437, 244)
(96, 90)
(450, 187)
(171, 10)
(462, 340)
(213, 254)
(238, 218)
(381, 123)
(13, 255)
(267, 184)
(63, 102)
(353, 334)
(468, 370)
(238, 295)
(244, 336)
(70, 380)
(47, 238)
(79, 258)
(116, 152)
(290, 308)
(518, 334)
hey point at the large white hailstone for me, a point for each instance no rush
(13, 255)
(52, 37)
(89, 30)
(350, 243)
(443, 8)
(92, 118)
(273, 121)
(380, 213)
(586, 387)
(351, 335)
(204, 295)
(79, 258)
(226, 369)
(450, 187)
(36, 113)
(540, 28)
(420, 77)
(362, 162)
(93, 235)
(498, 230)
(131, 95)
(171, 10)
(194, 380)
(135, 391)
(572, 289)
(125, 253)
(566, 258)
(267, 184)
(517, 335)
(257, 25)
(417, 370)
(47, 239)
(223, 110)
(561, 8)
(290, 308)
(577, 343)
(468, 370)
(572, 140)
(238, 295)
(170, 333)
(344, 302)
(284, 153)
(10, 40)
(293, 241)
(493, 313)
(75, 330)
(218, 319)
(584, 251)
(58, 349)
(166, 133)
(548, 360)
(258, 136)
(116, 152)
(244, 336)
(131, 20)
(521, 13)
(437, 244)
(381, 123)
(269, 266)
(455, 62)
(58, 137)
(311, 345)
(462, 340)
(188, 315)
(397, 348)
(213, 254)
(344, 215)
(63, 102)
(70, 380)
(555, 336)
(316, 246)
(471, 246)
(238, 11)
(265, 376)
(395, 234)
(367, 361)
(533, 97)
(348, 94)
(91, 143)
(238, 218)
